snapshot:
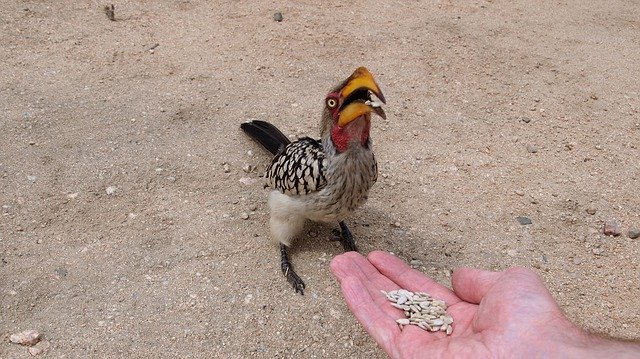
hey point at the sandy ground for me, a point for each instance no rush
(496, 109)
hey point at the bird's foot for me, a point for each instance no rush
(346, 238)
(289, 273)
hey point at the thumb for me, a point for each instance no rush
(471, 285)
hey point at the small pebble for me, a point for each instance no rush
(277, 16)
(526, 119)
(611, 228)
(519, 192)
(247, 168)
(523, 220)
(28, 337)
(532, 149)
(31, 178)
(39, 348)
(634, 233)
(61, 272)
(244, 215)
(111, 190)
(253, 207)
(591, 210)
(226, 168)
(415, 262)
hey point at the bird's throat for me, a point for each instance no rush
(354, 134)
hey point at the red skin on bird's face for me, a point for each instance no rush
(356, 130)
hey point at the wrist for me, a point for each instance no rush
(581, 344)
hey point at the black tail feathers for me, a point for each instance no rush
(267, 134)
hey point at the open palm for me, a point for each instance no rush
(496, 314)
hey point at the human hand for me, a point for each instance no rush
(496, 314)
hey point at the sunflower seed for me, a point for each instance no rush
(421, 309)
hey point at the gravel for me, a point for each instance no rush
(27, 337)
(523, 220)
(612, 228)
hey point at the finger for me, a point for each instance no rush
(382, 328)
(354, 265)
(472, 285)
(399, 272)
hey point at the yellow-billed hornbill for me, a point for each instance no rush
(322, 180)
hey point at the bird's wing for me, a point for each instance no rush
(299, 169)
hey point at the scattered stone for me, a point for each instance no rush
(277, 16)
(531, 148)
(597, 251)
(634, 233)
(415, 263)
(73, 195)
(247, 180)
(253, 207)
(39, 348)
(526, 119)
(28, 337)
(111, 190)
(244, 215)
(312, 234)
(519, 192)
(226, 168)
(61, 272)
(523, 220)
(32, 179)
(611, 228)
(512, 252)
(591, 210)
(248, 168)
(248, 298)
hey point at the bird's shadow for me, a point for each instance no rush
(373, 230)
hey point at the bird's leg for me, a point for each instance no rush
(346, 238)
(287, 270)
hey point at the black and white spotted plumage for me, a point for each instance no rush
(322, 180)
(299, 169)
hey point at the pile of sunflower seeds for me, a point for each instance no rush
(422, 310)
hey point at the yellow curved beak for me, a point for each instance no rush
(361, 79)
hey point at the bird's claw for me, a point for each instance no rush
(295, 281)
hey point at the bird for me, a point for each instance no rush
(326, 179)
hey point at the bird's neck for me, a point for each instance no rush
(355, 134)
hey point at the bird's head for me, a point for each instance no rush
(347, 110)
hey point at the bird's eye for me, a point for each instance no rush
(332, 103)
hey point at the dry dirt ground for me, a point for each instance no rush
(496, 109)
